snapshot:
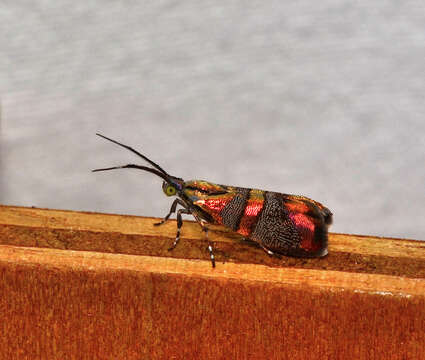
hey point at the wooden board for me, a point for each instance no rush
(84, 286)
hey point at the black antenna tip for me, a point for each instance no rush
(105, 137)
(109, 168)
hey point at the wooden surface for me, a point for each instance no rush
(122, 295)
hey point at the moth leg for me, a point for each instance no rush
(250, 242)
(202, 223)
(179, 225)
(172, 211)
(210, 248)
(271, 253)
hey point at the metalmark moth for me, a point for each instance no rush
(282, 224)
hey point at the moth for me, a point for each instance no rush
(281, 224)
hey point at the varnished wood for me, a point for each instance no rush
(123, 295)
(137, 236)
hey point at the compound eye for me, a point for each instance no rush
(170, 190)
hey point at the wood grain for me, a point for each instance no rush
(117, 293)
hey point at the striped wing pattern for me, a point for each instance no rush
(285, 224)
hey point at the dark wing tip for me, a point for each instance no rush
(328, 216)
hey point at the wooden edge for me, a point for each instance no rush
(138, 236)
(319, 279)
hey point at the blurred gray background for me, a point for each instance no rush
(325, 99)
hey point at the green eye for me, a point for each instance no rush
(170, 190)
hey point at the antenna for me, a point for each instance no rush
(136, 152)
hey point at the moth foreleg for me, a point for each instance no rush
(179, 225)
(172, 211)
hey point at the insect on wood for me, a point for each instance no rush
(281, 224)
